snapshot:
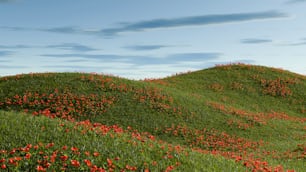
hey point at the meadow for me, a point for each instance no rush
(233, 117)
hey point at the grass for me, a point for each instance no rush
(51, 140)
(227, 118)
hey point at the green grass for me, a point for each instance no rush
(24, 129)
(234, 111)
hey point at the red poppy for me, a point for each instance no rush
(3, 166)
(88, 162)
(75, 163)
(40, 168)
(74, 149)
(64, 157)
(28, 156)
(96, 153)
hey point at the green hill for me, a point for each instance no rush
(227, 118)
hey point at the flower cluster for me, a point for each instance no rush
(63, 105)
(277, 87)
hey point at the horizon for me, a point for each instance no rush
(155, 39)
(147, 78)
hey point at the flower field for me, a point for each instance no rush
(233, 117)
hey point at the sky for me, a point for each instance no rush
(139, 39)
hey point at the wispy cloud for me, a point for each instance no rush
(4, 1)
(145, 47)
(5, 53)
(255, 41)
(299, 43)
(14, 46)
(295, 1)
(72, 47)
(192, 21)
(67, 29)
(63, 30)
(87, 56)
(75, 61)
(160, 24)
(10, 28)
(64, 46)
(141, 60)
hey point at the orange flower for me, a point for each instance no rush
(36, 147)
(11, 161)
(88, 162)
(64, 157)
(87, 153)
(74, 149)
(154, 163)
(28, 156)
(75, 163)
(109, 162)
(131, 168)
(3, 166)
(96, 153)
(170, 168)
(40, 168)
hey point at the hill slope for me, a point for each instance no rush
(252, 114)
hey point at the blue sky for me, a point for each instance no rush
(139, 39)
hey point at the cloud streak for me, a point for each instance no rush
(295, 1)
(142, 60)
(140, 26)
(67, 29)
(255, 41)
(72, 47)
(10, 28)
(62, 30)
(14, 46)
(5, 1)
(302, 42)
(192, 21)
(5, 53)
(145, 47)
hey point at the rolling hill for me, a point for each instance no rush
(228, 118)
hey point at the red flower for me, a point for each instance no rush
(87, 162)
(74, 149)
(75, 163)
(40, 168)
(170, 168)
(96, 153)
(28, 156)
(64, 148)
(36, 147)
(3, 166)
(11, 161)
(131, 168)
(87, 153)
(109, 162)
(50, 145)
(64, 157)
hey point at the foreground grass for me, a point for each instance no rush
(45, 144)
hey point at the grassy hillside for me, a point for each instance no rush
(247, 117)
